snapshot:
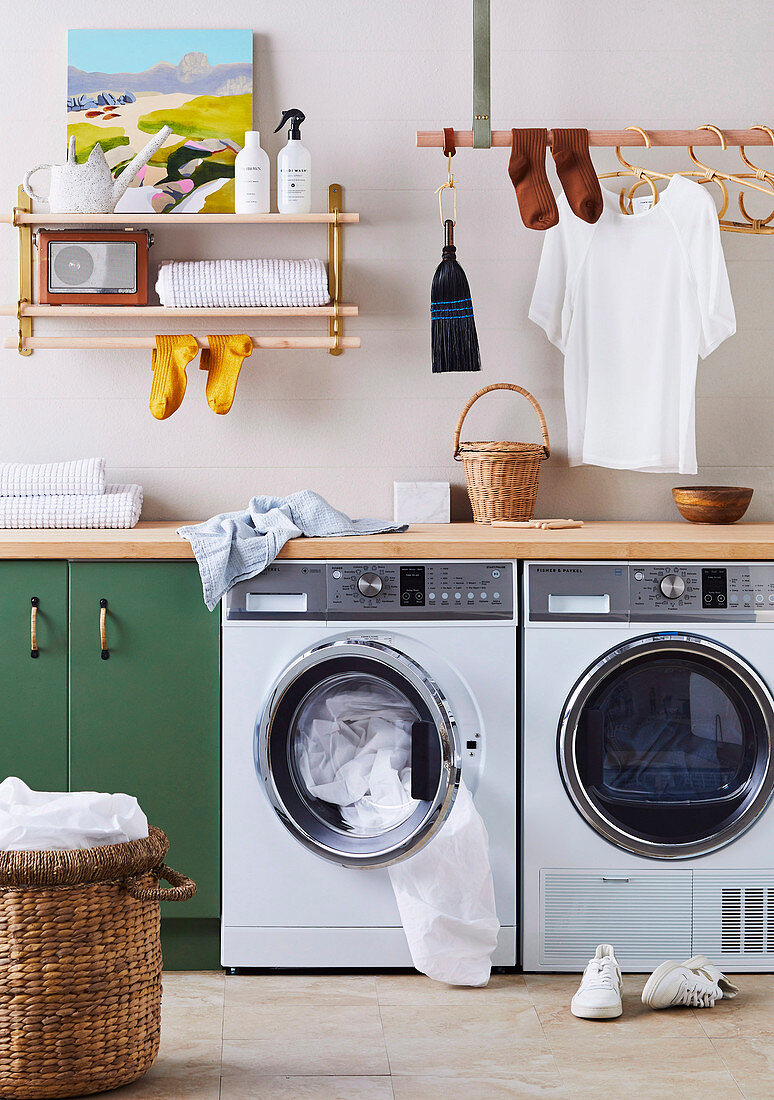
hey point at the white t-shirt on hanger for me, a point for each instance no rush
(631, 302)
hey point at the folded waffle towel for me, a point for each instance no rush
(242, 283)
(236, 545)
(84, 475)
(118, 506)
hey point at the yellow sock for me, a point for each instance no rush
(223, 360)
(168, 363)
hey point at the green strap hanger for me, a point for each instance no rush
(482, 129)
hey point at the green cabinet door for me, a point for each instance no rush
(33, 691)
(147, 720)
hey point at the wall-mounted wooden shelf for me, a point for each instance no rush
(24, 219)
(162, 221)
(115, 343)
(34, 309)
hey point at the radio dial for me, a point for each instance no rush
(672, 586)
(369, 584)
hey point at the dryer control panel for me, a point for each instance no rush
(639, 592)
(713, 591)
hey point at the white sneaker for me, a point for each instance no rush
(673, 984)
(599, 994)
(707, 967)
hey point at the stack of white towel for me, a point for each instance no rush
(65, 495)
(221, 283)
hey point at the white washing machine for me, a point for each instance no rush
(648, 722)
(304, 881)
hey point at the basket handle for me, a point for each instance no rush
(501, 386)
(182, 888)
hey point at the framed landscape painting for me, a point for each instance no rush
(124, 85)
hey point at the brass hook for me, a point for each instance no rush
(450, 185)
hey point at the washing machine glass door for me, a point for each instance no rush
(665, 745)
(359, 753)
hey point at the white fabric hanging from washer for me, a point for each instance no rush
(353, 751)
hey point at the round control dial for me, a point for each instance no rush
(672, 586)
(369, 584)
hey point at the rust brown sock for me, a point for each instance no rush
(527, 169)
(570, 149)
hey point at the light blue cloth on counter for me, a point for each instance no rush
(234, 546)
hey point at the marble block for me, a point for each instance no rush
(422, 501)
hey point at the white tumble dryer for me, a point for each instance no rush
(304, 877)
(648, 731)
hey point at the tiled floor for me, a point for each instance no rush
(404, 1037)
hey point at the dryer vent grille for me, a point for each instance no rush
(733, 916)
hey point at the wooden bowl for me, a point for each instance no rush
(712, 503)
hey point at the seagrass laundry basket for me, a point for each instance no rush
(80, 966)
(503, 476)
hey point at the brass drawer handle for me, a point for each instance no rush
(105, 652)
(34, 604)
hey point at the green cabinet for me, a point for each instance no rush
(144, 719)
(33, 691)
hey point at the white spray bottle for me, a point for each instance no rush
(294, 168)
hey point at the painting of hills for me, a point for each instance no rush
(124, 85)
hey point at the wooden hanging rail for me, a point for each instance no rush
(463, 139)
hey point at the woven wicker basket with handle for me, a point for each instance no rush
(503, 476)
(80, 959)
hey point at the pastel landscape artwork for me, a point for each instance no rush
(124, 85)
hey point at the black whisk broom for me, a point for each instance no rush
(452, 325)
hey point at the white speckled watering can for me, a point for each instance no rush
(90, 188)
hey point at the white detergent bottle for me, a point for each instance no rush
(294, 168)
(252, 177)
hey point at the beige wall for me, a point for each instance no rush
(368, 73)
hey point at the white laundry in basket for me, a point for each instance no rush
(352, 750)
(36, 821)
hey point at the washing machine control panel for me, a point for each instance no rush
(374, 590)
(420, 590)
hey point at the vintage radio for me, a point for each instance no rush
(93, 267)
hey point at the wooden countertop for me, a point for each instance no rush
(596, 540)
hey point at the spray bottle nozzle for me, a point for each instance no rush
(295, 117)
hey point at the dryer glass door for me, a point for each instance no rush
(665, 745)
(358, 752)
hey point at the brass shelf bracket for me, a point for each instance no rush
(24, 206)
(336, 322)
